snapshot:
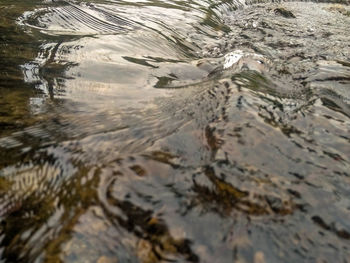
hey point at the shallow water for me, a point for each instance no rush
(174, 131)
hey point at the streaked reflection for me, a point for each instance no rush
(153, 131)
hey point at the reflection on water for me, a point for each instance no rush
(171, 131)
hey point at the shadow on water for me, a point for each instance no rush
(170, 131)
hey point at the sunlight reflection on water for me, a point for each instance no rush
(152, 131)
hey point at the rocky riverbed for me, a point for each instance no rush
(170, 131)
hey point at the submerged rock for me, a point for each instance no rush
(250, 153)
(340, 9)
(284, 12)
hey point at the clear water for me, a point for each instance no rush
(174, 131)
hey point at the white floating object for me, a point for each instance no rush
(232, 58)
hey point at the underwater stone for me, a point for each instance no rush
(284, 12)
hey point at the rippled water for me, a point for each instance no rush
(174, 131)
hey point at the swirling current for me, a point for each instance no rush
(174, 131)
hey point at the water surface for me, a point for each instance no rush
(174, 131)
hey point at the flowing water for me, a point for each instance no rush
(174, 131)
